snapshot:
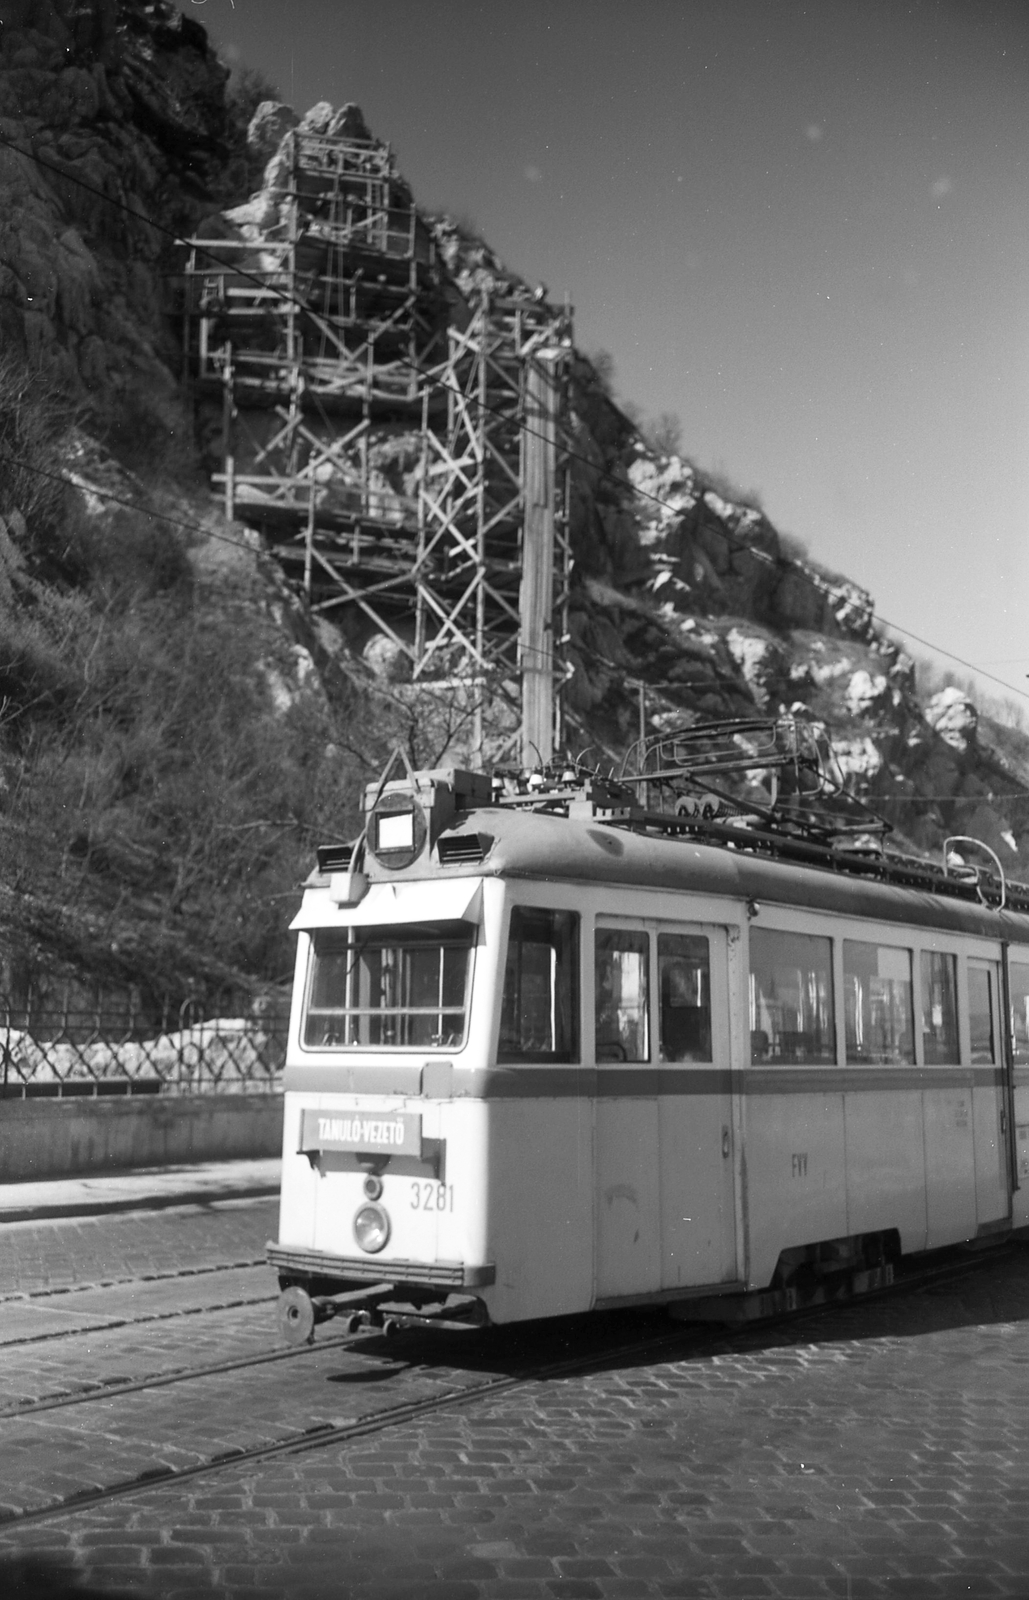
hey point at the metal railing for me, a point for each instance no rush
(69, 1044)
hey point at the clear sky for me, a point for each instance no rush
(804, 227)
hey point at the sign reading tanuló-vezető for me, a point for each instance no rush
(394, 1133)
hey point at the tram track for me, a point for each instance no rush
(51, 1291)
(685, 1340)
(64, 1399)
(103, 1321)
(109, 1326)
(322, 1435)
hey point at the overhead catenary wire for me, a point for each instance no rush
(823, 586)
(68, 480)
(711, 681)
(964, 799)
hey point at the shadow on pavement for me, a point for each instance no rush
(36, 1578)
(994, 1290)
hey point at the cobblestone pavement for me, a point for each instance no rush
(46, 1255)
(48, 1455)
(67, 1340)
(877, 1450)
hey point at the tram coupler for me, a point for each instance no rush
(299, 1312)
(356, 1307)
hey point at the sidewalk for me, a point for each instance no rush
(143, 1189)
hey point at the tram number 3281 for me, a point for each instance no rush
(427, 1196)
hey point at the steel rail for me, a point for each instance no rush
(692, 1339)
(51, 1290)
(109, 1325)
(321, 1434)
(63, 1399)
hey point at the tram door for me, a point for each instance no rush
(665, 1209)
(989, 1090)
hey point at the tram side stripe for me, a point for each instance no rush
(642, 1082)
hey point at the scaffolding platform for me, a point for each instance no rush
(401, 449)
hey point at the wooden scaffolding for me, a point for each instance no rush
(400, 448)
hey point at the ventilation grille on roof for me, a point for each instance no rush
(335, 857)
(463, 848)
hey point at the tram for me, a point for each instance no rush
(551, 1050)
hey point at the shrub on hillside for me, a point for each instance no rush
(34, 418)
(172, 789)
(157, 806)
(147, 428)
(124, 557)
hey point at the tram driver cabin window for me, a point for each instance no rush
(791, 999)
(539, 1013)
(389, 988)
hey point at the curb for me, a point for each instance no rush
(45, 1212)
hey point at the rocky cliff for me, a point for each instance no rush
(166, 749)
(688, 588)
(174, 734)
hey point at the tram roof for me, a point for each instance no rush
(530, 844)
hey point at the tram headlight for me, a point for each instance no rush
(371, 1228)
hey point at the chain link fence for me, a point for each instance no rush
(71, 1043)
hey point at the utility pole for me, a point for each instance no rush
(536, 598)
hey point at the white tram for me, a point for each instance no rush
(549, 1054)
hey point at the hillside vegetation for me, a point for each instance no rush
(175, 734)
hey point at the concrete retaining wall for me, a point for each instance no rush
(68, 1138)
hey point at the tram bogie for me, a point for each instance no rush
(547, 1056)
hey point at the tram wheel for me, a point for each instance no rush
(295, 1312)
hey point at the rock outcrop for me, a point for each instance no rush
(115, 136)
(112, 139)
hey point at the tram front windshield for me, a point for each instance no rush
(389, 988)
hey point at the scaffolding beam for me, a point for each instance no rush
(401, 449)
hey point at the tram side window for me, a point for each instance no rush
(539, 1014)
(939, 1008)
(1020, 1014)
(982, 1014)
(791, 999)
(877, 1003)
(621, 975)
(684, 971)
